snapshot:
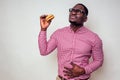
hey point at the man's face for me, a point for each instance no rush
(77, 15)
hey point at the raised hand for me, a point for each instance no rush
(44, 23)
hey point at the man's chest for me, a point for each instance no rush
(79, 43)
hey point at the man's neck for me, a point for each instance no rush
(75, 27)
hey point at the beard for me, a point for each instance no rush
(75, 23)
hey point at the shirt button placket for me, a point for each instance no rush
(73, 47)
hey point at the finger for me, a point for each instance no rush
(72, 64)
(43, 16)
(69, 69)
(67, 72)
(69, 76)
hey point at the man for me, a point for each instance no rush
(75, 46)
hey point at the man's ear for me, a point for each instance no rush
(85, 18)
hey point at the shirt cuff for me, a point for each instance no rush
(88, 70)
(42, 33)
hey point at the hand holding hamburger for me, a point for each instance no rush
(45, 21)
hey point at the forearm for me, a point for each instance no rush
(42, 42)
(93, 66)
(43, 29)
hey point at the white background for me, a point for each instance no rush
(19, 29)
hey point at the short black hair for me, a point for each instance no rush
(86, 9)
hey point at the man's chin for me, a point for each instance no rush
(73, 23)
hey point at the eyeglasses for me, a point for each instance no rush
(78, 11)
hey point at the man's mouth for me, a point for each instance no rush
(73, 17)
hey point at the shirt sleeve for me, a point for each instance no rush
(97, 55)
(45, 46)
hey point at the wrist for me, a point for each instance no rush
(81, 71)
(43, 29)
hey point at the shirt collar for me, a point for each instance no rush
(80, 30)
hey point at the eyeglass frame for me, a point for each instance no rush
(77, 11)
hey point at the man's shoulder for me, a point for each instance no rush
(92, 35)
(90, 31)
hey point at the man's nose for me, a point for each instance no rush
(73, 12)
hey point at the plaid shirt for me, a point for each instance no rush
(77, 47)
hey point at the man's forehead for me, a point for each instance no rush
(78, 6)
